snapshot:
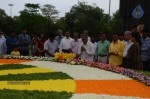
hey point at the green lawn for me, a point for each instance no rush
(35, 76)
(144, 72)
(14, 66)
(16, 94)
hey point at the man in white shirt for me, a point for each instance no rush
(75, 44)
(86, 33)
(3, 47)
(128, 43)
(50, 46)
(86, 49)
(65, 44)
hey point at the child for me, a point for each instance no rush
(15, 50)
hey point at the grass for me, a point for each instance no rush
(15, 66)
(16, 94)
(35, 76)
(145, 72)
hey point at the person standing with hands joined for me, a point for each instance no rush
(86, 49)
(116, 51)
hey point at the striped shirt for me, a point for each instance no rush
(145, 49)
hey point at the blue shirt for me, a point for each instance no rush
(145, 49)
(24, 42)
(58, 38)
(9, 42)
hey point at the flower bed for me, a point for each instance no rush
(30, 81)
(58, 82)
(69, 60)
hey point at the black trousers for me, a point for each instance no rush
(24, 53)
(146, 65)
(128, 63)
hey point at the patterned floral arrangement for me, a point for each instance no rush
(69, 59)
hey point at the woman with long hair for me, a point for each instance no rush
(40, 45)
(133, 55)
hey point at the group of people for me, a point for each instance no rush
(130, 51)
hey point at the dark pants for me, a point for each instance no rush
(128, 63)
(146, 65)
(66, 51)
(24, 53)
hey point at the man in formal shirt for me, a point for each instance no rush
(24, 43)
(3, 47)
(59, 37)
(75, 44)
(127, 43)
(116, 51)
(145, 50)
(86, 49)
(50, 46)
(65, 44)
(102, 49)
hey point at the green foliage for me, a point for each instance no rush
(80, 17)
(49, 11)
(6, 22)
(83, 16)
(35, 76)
(116, 24)
(144, 72)
(16, 94)
(32, 8)
(14, 66)
(33, 22)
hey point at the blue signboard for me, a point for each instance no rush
(138, 12)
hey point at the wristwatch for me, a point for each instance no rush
(116, 53)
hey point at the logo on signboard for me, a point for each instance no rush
(138, 12)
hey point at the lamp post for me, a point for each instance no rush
(109, 6)
(10, 5)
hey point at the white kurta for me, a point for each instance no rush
(89, 53)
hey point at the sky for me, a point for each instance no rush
(62, 6)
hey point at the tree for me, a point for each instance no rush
(115, 25)
(49, 11)
(6, 22)
(32, 8)
(83, 16)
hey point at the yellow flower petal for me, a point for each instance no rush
(25, 70)
(44, 85)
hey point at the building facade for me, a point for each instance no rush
(135, 11)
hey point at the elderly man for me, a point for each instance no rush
(127, 43)
(3, 47)
(60, 36)
(116, 51)
(86, 49)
